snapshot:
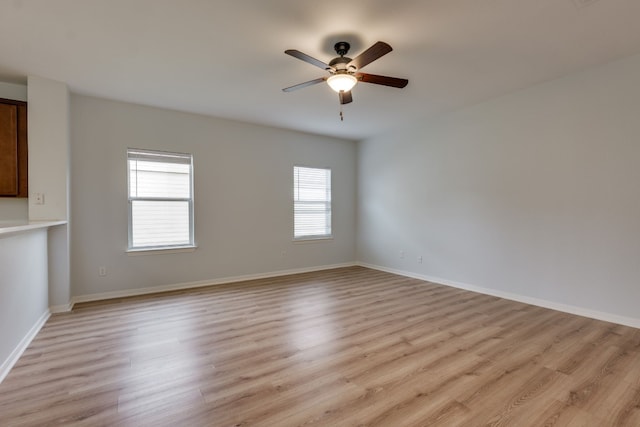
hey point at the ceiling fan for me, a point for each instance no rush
(344, 72)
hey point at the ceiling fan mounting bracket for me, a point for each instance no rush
(342, 48)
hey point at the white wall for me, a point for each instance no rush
(14, 209)
(49, 158)
(59, 254)
(48, 112)
(23, 291)
(243, 190)
(11, 208)
(535, 194)
(13, 91)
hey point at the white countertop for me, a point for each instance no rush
(12, 227)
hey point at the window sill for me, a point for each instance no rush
(303, 240)
(159, 251)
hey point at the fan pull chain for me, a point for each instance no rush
(341, 115)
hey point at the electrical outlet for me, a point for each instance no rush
(420, 259)
(401, 254)
(102, 271)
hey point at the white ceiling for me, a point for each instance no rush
(225, 58)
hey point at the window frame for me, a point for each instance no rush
(168, 248)
(311, 238)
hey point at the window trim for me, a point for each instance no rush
(141, 250)
(312, 238)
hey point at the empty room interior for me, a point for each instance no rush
(281, 213)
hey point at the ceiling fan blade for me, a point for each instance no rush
(305, 84)
(306, 58)
(382, 80)
(368, 56)
(345, 97)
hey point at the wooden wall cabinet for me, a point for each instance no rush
(13, 148)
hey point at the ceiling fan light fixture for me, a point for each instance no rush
(342, 82)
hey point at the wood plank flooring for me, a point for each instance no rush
(345, 347)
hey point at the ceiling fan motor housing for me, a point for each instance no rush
(339, 64)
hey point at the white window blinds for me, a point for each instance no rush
(160, 199)
(311, 202)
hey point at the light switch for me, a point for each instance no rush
(39, 198)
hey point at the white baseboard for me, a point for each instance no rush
(566, 308)
(191, 285)
(22, 345)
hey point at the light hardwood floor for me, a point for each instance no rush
(345, 347)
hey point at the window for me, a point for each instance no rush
(311, 203)
(160, 200)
